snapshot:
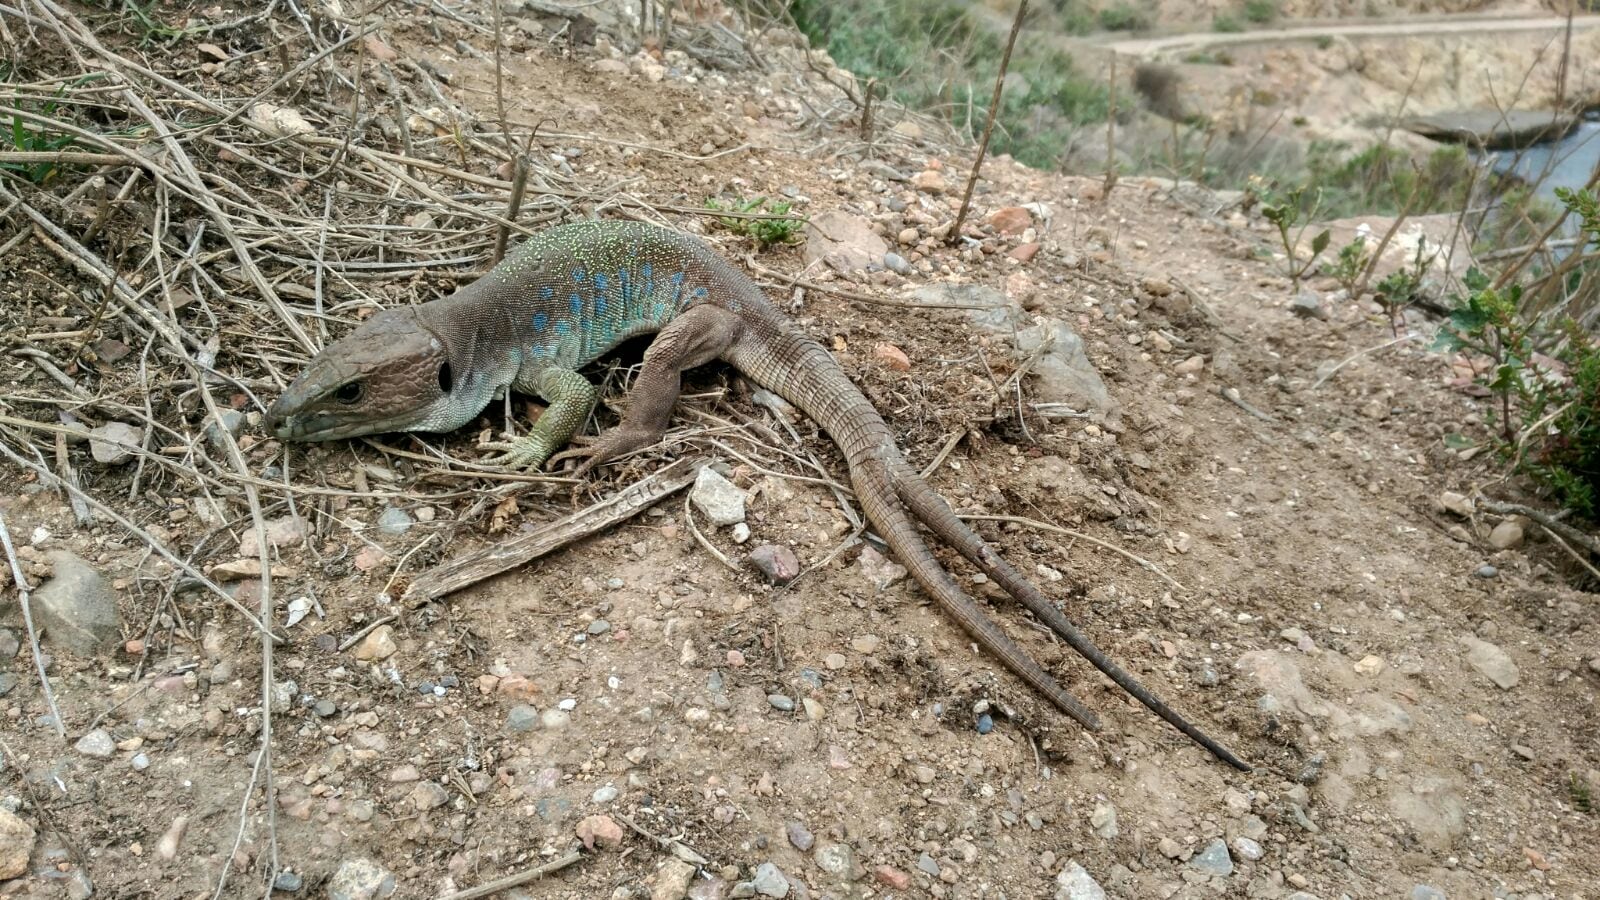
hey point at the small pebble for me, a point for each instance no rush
(605, 794)
(599, 626)
(985, 723)
(780, 702)
(799, 836)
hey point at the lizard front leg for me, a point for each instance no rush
(694, 338)
(571, 398)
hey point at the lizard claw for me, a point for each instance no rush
(598, 451)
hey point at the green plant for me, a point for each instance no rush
(1350, 267)
(1226, 23)
(1586, 207)
(1544, 412)
(765, 232)
(148, 27)
(1580, 792)
(1400, 288)
(1124, 17)
(1285, 211)
(27, 139)
(1261, 12)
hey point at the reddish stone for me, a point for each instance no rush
(1011, 220)
(892, 878)
(893, 357)
(1024, 252)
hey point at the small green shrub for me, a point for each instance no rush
(1286, 210)
(1261, 12)
(1350, 267)
(1124, 17)
(26, 138)
(765, 232)
(1226, 23)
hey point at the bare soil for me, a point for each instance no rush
(1317, 630)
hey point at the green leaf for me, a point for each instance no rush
(1321, 241)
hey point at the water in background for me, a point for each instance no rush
(1565, 163)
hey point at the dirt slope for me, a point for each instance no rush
(1331, 623)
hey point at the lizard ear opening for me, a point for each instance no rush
(446, 379)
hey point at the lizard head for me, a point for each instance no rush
(392, 373)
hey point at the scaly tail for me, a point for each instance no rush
(805, 373)
(932, 510)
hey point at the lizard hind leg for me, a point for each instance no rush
(931, 509)
(694, 338)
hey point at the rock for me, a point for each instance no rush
(929, 182)
(892, 878)
(172, 838)
(770, 881)
(1307, 305)
(601, 830)
(1433, 809)
(1009, 220)
(377, 646)
(1491, 662)
(1457, 504)
(672, 881)
(228, 422)
(97, 744)
(781, 702)
(8, 683)
(598, 627)
(605, 794)
(1425, 892)
(284, 531)
(892, 356)
(1024, 253)
(927, 865)
(717, 498)
(555, 719)
(1064, 374)
(76, 608)
(1214, 859)
(288, 882)
(16, 845)
(10, 644)
(1104, 820)
(1507, 535)
(799, 835)
(1194, 365)
(361, 879)
(879, 569)
(843, 242)
(1075, 883)
(741, 532)
(896, 263)
(1247, 849)
(280, 121)
(1486, 571)
(522, 718)
(775, 561)
(1493, 129)
(1369, 665)
(394, 521)
(103, 443)
(428, 795)
(835, 859)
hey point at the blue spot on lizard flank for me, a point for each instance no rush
(575, 305)
(563, 327)
(677, 288)
(579, 275)
(540, 320)
(546, 292)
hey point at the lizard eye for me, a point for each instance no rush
(445, 377)
(349, 393)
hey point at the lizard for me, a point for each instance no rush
(567, 296)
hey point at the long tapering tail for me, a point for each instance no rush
(894, 498)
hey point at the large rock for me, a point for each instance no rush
(1491, 662)
(361, 879)
(16, 845)
(76, 608)
(1075, 883)
(1493, 129)
(1433, 809)
(1064, 374)
(843, 242)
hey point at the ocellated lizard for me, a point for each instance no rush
(570, 294)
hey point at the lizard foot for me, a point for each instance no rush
(603, 449)
(527, 452)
